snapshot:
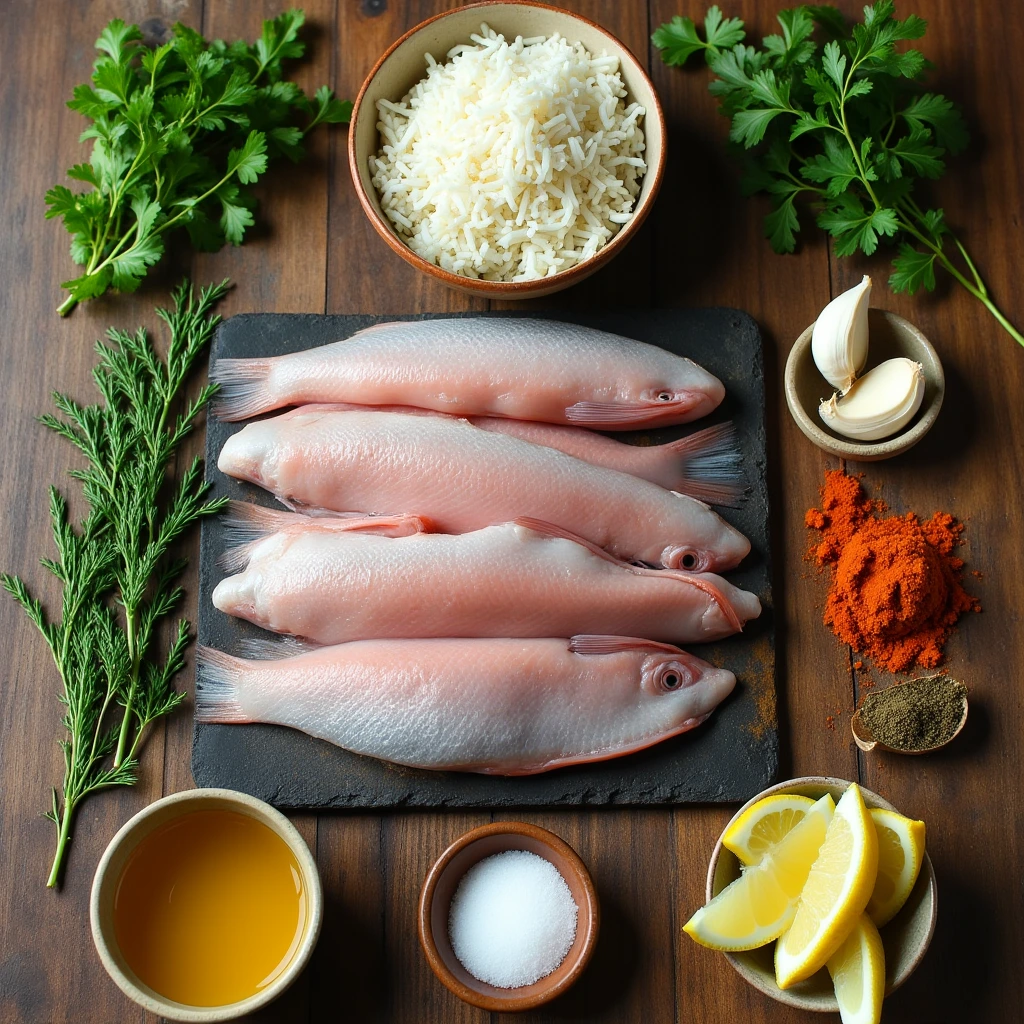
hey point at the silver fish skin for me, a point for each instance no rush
(519, 368)
(464, 479)
(331, 587)
(503, 707)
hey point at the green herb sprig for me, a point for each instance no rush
(846, 126)
(118, 574)
(179, 133)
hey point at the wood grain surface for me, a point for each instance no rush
(315, 252)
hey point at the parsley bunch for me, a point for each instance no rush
(845, 126)
(118, 574)
(178, 133)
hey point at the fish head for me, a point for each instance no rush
(250, 454)
(666, 402)
(687, 688)
(711, 545)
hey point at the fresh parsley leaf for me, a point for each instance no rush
(178, 135)
(679, 40)
(859, 135)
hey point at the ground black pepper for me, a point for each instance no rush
(915, 715)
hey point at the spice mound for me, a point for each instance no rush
(897, 589)
(512, 919)
(917, 715)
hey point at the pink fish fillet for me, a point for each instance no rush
(509, 580)
(501, 707)
(488, 366)
(463, 478)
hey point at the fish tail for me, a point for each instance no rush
(217, 697)
(244, 390)
(712, 465)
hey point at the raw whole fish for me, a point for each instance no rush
(706, 465)
(514, 579)
(503, 707)
(510, 367)
(463, 478)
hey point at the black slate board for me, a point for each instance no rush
(729, 758)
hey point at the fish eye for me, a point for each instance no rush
(665, 396)
(689, 560)
(672, 676)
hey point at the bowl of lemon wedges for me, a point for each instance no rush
(822, 896)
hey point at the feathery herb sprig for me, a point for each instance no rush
(179, 133)
(846, 126)
(118, 573)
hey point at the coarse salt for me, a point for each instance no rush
(512, 161)
(512, 919)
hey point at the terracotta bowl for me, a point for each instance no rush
(905, 938)
(439, 888)
(889, 336)
(402, 66)
(108, 875)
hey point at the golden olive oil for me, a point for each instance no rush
(210, 908)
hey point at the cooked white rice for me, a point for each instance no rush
(512, 161)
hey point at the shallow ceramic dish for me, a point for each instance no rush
(865, 739)
(439, 888)
(890, 336)
(905, 938)
(108, 874)
(403, 65)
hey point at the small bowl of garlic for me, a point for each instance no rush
(862, 383)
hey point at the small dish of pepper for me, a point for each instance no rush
(915, 717)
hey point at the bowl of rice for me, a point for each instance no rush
(509, 149)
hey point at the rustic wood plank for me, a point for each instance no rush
(48, 969)
(364, 275)
(710, 250)
(969, 465)
(410, 845)
(701, 246)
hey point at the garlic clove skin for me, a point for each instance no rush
(879, 404)
(839, 342)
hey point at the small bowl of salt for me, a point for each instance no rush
(508, 917)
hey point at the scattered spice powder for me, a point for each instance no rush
(915, 715)
(896, 591)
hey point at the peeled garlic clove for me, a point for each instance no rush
(839, 342)
(883, 401)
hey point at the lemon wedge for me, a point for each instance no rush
(900, 853)
(858, 973)
(760, 904)
(763, 826)
(838, 888)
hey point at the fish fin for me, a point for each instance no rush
(217, 687)
(597, 643)
(243, 389)
(275, 647)
(622, 414)
(693, 579)
(247, 522)
(546, 529)
(712, 469)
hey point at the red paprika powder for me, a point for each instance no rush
(897, 589)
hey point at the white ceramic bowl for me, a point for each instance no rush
(905, 938)
(402, 66)
(108, 874)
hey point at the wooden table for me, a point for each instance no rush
(316, 252)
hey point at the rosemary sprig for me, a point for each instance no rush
(118, 576)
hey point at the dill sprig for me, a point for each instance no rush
(118, 574)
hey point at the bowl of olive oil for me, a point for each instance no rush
(206, 906)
